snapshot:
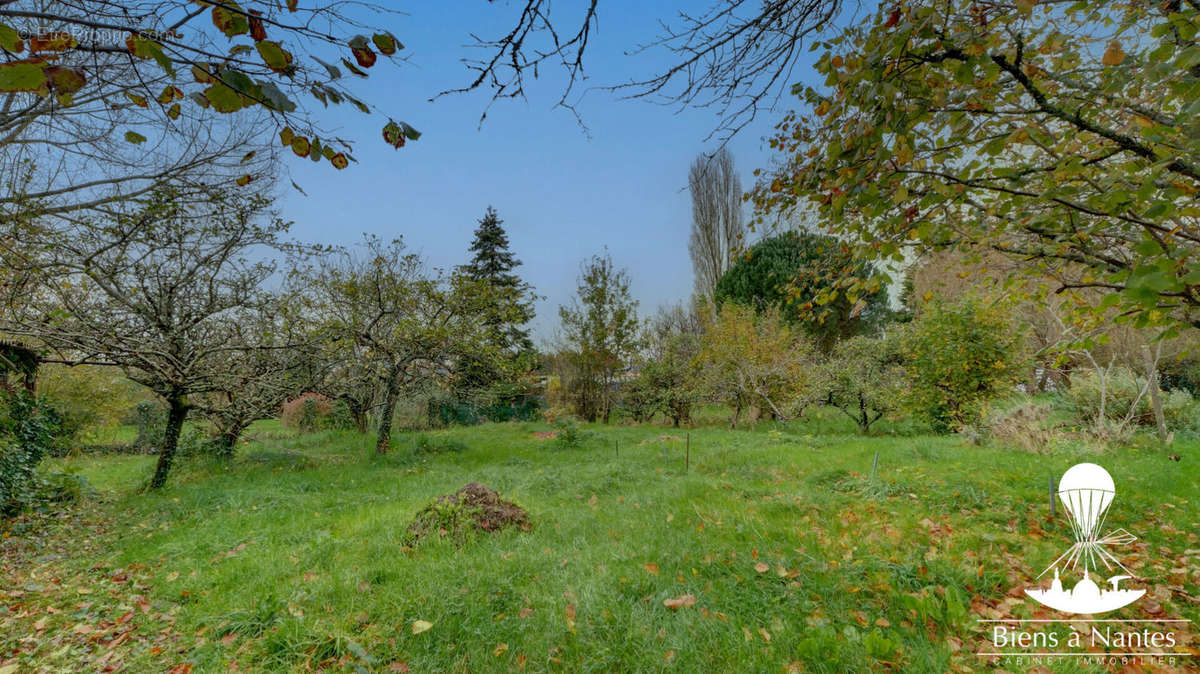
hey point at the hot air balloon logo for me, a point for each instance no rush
(1086, 491)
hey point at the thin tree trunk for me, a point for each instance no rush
(385, 415)
(1155, 399)
(166, 454)
(359, 414)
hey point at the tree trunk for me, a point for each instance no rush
(1155, 399)
(359, 414)
(166, 454)
(227, 441)
(385, 415)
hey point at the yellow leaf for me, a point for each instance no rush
(1114, 55)
(765, 635)
(652, 568)
(419, 626)
(500, 650)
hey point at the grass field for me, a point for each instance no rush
(294, 557)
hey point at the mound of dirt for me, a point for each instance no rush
(473, 508)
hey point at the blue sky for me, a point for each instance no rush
(562, 194)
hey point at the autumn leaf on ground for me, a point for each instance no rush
(419, 626)
(651, 567)
(761, 567)
(500, 649)
(680, 601)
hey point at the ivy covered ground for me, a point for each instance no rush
(774, 551)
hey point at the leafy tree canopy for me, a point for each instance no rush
(812, 279)
(224, 57)
(1064, 134)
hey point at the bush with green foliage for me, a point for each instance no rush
(89, 397)
(957, 357)
(29, 429)
(568, 434)
(443, 411)
(425, 444)
(340, 417)
(150, 419)
(1126, 399)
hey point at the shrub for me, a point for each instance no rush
(29, 429)
(340, 418)
(150, 418)
(424, 444)
(958, 357)
(308, 413)
(570, 435)
(1119, 390)
(89, 397)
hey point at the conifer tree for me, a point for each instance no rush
(508, 307)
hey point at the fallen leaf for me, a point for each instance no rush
(652, 567)
(500, 649)
(419, 626)
(681, 601)
(761, 567)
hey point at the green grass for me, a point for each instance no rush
(293, 557)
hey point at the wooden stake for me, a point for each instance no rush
(617, 444)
